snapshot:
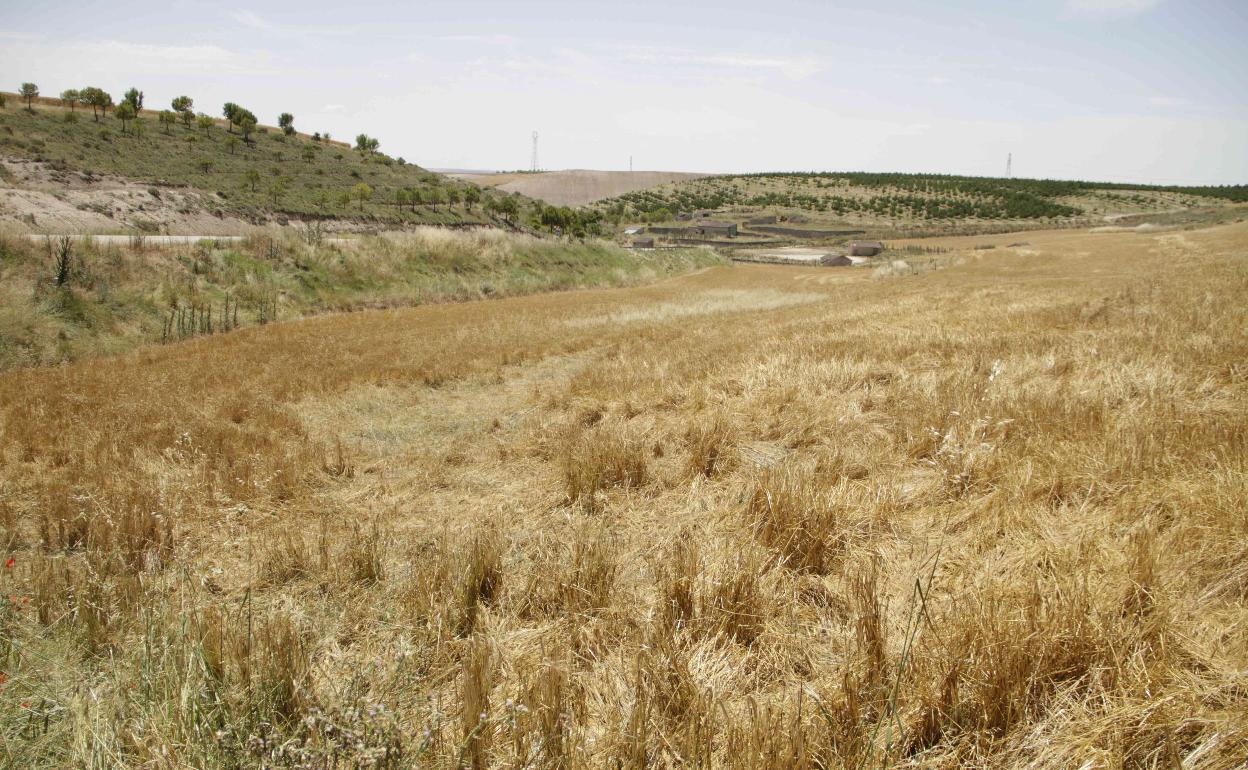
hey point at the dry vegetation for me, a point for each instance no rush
(988, 515)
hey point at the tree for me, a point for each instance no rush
(402, 197)
(70, 96)
(184, 106)
(253, 178)
(167, 119)
(230, 111)
(2, 101)
(125, 112)
(277, 188)
(29, 92)
(287, 123)
(134, 97)
(231, 143)
(205, 165)
(507, 208)
(205, 123)
(247, 124)
(308, 153)
(362, 192)
(366, 144)
(472, 196)
(97, 99)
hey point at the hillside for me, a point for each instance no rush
(147, 175)
(575, 187)
(887, 205)
(111, 297)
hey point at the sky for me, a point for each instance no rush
(1152, 91)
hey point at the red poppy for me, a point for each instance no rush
(9, 564)
(25, 704)
(3, 677)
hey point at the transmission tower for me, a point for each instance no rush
(533, 164)
(1009, 161)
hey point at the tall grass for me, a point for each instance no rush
(66, 300)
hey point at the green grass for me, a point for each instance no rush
(119, 297)
(175, 155)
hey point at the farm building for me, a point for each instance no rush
(713, 227)
(643, 243)
(835, 260)
(865, 248)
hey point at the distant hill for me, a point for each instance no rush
(575, 187)
(66, 168)
(896, 202)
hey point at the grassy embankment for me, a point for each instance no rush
(115, 296)
(990, 515)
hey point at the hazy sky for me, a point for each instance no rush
(1121, 90)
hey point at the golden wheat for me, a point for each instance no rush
(988, 514)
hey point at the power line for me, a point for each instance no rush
(533, 164)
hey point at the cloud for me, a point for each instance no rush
(796, 68)
(1100, 9)
(939, 80)
(685, 123)
(333, 108)
(250, 19)
(140, 55)
(497, 39)
(1164, 101)
(911, 129)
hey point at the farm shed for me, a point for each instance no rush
(713, 227)
(865, 248)
(835, 260)
(643, 243)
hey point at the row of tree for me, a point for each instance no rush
(183, 107)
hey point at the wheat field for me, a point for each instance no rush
(983, 510)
